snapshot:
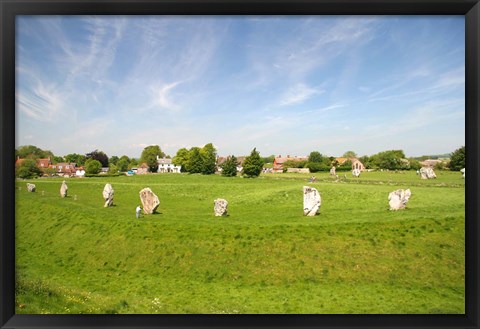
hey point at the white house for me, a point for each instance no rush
(166, 165)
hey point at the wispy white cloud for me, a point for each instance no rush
(298, 94)
(163, 96)
(42, 103)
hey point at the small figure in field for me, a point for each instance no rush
(137, 211)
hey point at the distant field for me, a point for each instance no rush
(74, 256)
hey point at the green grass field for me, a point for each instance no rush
(356, 256)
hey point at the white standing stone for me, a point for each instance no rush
(311, 201)
(108, 193)
(63, 189)
(333, 171)
(398, 199)
(220, 207)
(31, 187)
(427, 173)
(150, 201)
(356, 172)
(463, 172)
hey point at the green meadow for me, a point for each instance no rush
(75, 256)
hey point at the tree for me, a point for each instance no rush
(181, 158)
(316, 157)
(209, 158)
(414, 164)
(269, 159)
(318, 162)
(293, 164)
(349, 154)
(133, 163)
(253, 164)
(28, 169)
(57, 159)
(79, 159)
(149, 156)
(457, 159)
(31, 151)
(99, 156)
(92, 166)
(194, 164)
(122, 163)
(392, 160)
(113, 160)
(366, 161)
(113, 169)
(346, 166)
(229, 167)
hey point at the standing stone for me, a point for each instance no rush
(108, 195)
(333, 171)
(150, 201)
(63, 189)
(398, 199)
(220, 207)
(356, 172)
(31, 187)
(311, 201)
(427, 173)
(463, 172)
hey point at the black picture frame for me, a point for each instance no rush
(10, 8)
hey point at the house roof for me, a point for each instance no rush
(281, 160)
(72, 166)
(164, 161)
(44, 163)
(221, 160)
(341, 160)
(430, 162)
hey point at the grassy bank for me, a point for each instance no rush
(74, 256)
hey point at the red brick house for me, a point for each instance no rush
(41, 163)
(65, 168)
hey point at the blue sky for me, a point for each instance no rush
(285, 85)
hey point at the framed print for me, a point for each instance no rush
(239, 164)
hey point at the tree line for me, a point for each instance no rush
(203, 160)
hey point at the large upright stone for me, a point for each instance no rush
(398, 199)
(333, 171)
(31, 187)
(220, 207)
(150, 201)
(427, 173)
(108, 195)
(63, 189)
(463, 172)
(311, 201)
(356, 172)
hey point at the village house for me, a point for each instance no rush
(356, 164)
(166, 165)
(142, 169)
(41, 163)
(68, 169)
(279, 161)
